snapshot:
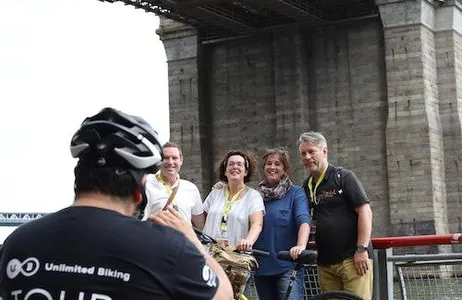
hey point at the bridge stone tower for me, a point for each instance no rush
(381, 79)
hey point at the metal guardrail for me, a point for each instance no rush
(436, 279)
(419, 276)
(310, 278)
(411, 258)
(385, 264)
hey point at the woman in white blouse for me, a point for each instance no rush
(234, 214)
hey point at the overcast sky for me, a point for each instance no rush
(61, 61)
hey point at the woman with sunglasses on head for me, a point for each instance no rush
(234, 213)
(285, 227)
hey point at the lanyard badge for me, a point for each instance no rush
(227, 208)
(313, 191)
(168, 189)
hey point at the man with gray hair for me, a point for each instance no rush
(343, 219)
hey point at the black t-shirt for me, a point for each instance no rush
(89, 253)
(336, 218)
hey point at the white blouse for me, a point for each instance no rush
(238, 219)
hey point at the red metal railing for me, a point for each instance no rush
(410, 241)
(383, 288)
(420, 240)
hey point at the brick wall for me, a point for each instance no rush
(410, 180)
(416, 161)
(455, 178)
(258, 95)
(186, 125)
(264, 91)
(349, 104)
(449, 64)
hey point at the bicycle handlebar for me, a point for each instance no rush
(203, 238)
(305, 257)
(255, 252)
(206, 239)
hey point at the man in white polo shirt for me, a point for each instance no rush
(160, 186)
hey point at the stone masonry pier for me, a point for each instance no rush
(384, 89)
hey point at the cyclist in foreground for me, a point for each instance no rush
(96, 249)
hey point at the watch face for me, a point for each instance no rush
(361, 248)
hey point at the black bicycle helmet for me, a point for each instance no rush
(113, 138)
(117, 139)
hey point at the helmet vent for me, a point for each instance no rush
(101, 162)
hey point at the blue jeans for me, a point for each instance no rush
(275, 287)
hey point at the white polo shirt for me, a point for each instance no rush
(187, 199)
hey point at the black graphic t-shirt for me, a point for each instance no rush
(89, 253)
(336, 218)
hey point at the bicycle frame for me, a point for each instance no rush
(305, 257)
(309, 257)
(238, 275)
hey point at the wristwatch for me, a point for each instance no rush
(361, 248)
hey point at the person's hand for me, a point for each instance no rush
(361, 261)
(295, 251)
(244, 245)
(218, 185)
(172, 218)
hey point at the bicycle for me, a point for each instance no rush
(309, 257)
(238, 270)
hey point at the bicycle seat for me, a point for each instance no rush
(306, 257)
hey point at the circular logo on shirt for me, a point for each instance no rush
(28, 267)
(209, 276)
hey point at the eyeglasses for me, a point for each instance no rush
(235, 163)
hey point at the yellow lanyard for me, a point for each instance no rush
(168, 189)
(318, 182)
(227, 208)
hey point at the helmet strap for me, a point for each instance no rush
(144, 200)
